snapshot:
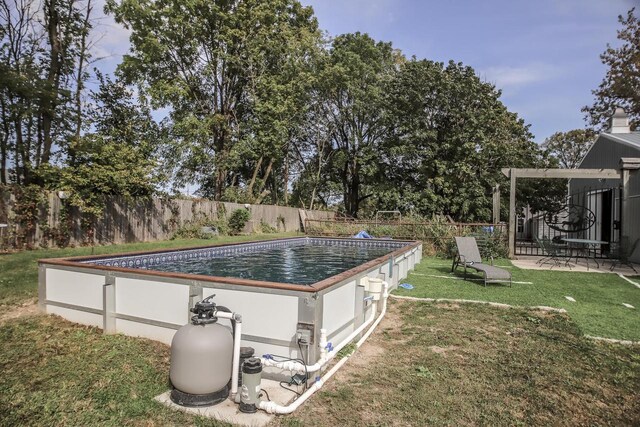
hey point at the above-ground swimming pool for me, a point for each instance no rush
(278, 286)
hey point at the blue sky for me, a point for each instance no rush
(542, 54)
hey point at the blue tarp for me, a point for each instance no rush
(363, 235)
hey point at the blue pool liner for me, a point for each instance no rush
(363, 235)
(406, 286)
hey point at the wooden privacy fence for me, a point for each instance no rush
(133, 221)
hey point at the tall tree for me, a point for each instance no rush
(351, 87)
(451, 135)
(569, 147)
(218, 66)
(42, 44)
(117, 157)
(621, 84)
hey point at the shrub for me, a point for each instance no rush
(238, 220)
(266, 228)
(193, 229)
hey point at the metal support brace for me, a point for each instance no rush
(109, 305)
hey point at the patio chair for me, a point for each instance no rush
(620, 252)
(468, 255)
(550, 251)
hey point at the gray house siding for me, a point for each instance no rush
(606, 153)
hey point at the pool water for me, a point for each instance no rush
(302, 264)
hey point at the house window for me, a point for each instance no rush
(520, 227)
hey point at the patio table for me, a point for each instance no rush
(585, 246)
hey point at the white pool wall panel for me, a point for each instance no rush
(338, 311)
(259, 318)
(149, 299)
(142, 330)
(72, 287)
(77, 316)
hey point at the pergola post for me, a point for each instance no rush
(628, 166)
(496, 204)
(512, 214)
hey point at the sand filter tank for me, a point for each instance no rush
(201, 358)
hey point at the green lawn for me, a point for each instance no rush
(56, 373)
(598, 309)
(472, 365)
(19, 271)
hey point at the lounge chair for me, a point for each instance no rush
(469, 256)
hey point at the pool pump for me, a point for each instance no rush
(201, 357)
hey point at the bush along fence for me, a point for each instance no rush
(436, 235)
(37, 218)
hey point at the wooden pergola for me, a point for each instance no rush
(627, 166)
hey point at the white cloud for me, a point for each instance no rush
(111, 40)
(510, 77)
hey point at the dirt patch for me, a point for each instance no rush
(442, 350)
(27, 308)
(448, 305)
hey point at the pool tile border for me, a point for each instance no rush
(148, 261)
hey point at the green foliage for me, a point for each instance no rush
(182, 52)
(104, 168)
(193, 229)
(569, 148)
(30, 205)
(238, 220)
(451, 137)
(436, 233)
(620, 86)
(266, 228)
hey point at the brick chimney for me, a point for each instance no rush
(620, 122)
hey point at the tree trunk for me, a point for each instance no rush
(264, 193)
(253, 178)
(4, 144)
(352, 188)
(49, 100)
(82, 56)
(286, 176)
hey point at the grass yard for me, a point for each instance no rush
(19, 271)
(450, 364)
(58, 373)
(427, 364)
(598, 310)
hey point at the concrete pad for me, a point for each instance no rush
(528, 262)
(228, 411)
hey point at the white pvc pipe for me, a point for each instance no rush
(237, 335)
(274, 408)
(325, 356)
